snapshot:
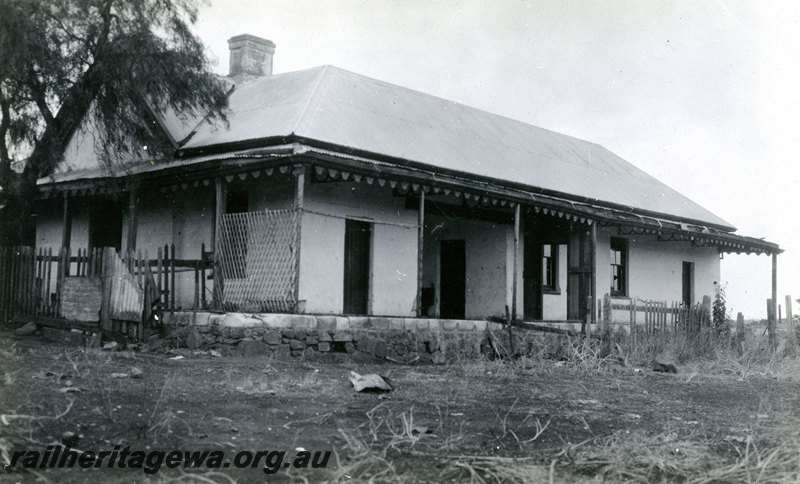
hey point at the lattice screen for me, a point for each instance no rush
(257, 258)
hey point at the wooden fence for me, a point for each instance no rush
(654, 321)
(32, 281)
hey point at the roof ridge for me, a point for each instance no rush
(311, 98)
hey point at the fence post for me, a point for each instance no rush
(299, 172)
(589, 317)
(107, 280)
(633, 323)
(172, 278)
(606, 318)
(203, 275)
(739, 329)
(789, 316)
(221, 202)
(770, 322)
(772, 329)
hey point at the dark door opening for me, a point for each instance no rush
(357, 237)
(532, 281)
(453, 279)
(105, 224)
(687, 286)
(237, 201)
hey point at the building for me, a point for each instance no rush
(333, 193)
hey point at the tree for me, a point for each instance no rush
(115, 61)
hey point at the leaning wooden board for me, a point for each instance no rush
(82, 298)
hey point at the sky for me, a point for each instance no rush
(701, 95)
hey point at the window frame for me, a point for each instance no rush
(619, 244)
(553, 259)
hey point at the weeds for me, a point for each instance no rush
(502, 427)
(639, 457)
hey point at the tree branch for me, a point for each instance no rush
(39, 97)
(5, 123)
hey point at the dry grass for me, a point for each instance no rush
(669, 457)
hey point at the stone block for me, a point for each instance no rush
(466, 325)
(324, 347)
(393, 335)
(324, 336)
(349, 347)
(422, 324)
(381, 324)
(381, 349)
(252, 347)
(272, 337)
(480, 325)
(433, 345)
(282, 353)
(301, 321)
(343, 336)
(310, 354)
(214, 319)
(410, 324)
(274, 321)
(398, 323)
(326, 323)
(438, 358)
(342, 323)
(240, 320)
(366, 344)
(296, 344)
(449, 324)
(401, 348)
(236, 333)
(360, 322)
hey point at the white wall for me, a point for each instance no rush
(488, 270)
(655, 268)
(393, 276)
(322, 264)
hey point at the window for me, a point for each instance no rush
(619, 266)
(550, 268)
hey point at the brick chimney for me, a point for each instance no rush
(251, 57)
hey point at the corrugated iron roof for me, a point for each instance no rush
(342, 108)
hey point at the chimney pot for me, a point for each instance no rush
(250, 57)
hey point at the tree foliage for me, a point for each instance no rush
(62, 60)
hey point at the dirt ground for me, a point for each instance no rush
(480, 421)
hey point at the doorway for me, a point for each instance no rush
(687, 285)
(357, 239)
(532, 281)
(105, 224)
(452, 279)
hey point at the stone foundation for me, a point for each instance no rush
(339, 338)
